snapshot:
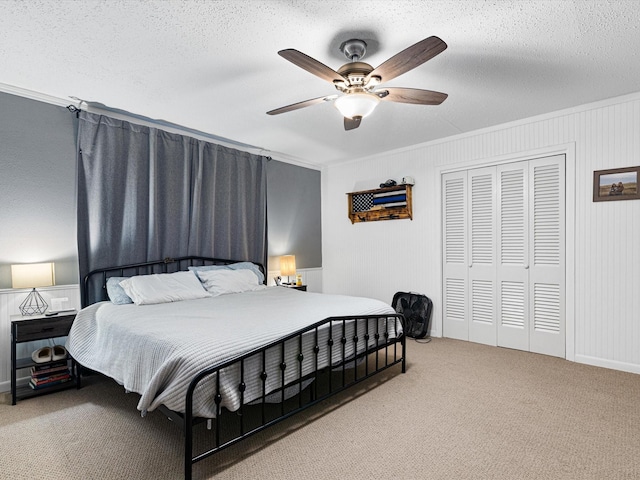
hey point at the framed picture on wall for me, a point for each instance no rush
(616, 184)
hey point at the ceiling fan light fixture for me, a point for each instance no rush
(357, 81)
(353, 105)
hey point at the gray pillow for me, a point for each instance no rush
(250, 266)
(116, 293)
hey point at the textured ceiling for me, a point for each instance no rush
(213, 66)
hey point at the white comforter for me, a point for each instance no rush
(155, 350)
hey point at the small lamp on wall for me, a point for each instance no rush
(288, 266)
(32, 276)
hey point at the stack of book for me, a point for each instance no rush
(43, 376)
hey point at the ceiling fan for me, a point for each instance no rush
(360, 83)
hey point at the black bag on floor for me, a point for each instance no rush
(416, 309)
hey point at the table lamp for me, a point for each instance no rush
(287, 266)
(32, 276)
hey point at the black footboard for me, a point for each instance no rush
(339, 351)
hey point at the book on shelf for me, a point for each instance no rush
(48, 384)
(48, 371)
(51, 378)
(44, 366)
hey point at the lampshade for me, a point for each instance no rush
(356, 104)
(287, 265)
(32, 275)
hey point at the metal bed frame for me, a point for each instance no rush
(375, 350)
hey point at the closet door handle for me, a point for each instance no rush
(526, 267)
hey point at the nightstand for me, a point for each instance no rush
(295, 287)
(39, 327)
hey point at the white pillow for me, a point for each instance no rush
(232, 266)
(219, 282)
(163, 288)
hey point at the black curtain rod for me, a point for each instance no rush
(76, 110)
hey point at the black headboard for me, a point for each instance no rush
(94, 288)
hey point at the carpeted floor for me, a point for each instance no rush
(462, 411)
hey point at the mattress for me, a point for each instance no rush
(156, 350)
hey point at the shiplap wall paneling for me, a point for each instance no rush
(602, 278)
(608, 278)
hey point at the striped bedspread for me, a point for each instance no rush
(155, 350)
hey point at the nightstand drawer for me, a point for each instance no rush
(40, 329)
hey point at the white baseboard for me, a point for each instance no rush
(612, 364)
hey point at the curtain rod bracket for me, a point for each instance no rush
(74, 109)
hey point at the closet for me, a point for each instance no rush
(504, 255)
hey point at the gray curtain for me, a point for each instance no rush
(145, 194)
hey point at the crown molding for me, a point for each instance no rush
(131, 117)
(40, 97)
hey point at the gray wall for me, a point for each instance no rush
(294, 214)
(38, 194)
(37, 187)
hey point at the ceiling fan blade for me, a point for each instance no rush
(311, 65)
(408, 59)
(306, 103)
(352, 123)
(411, 95)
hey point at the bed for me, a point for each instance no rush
(240, 356)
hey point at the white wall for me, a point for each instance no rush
(603, 278)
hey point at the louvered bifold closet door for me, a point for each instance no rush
(482, 253)
(455, 264)
(513, 256)
(547, 256)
